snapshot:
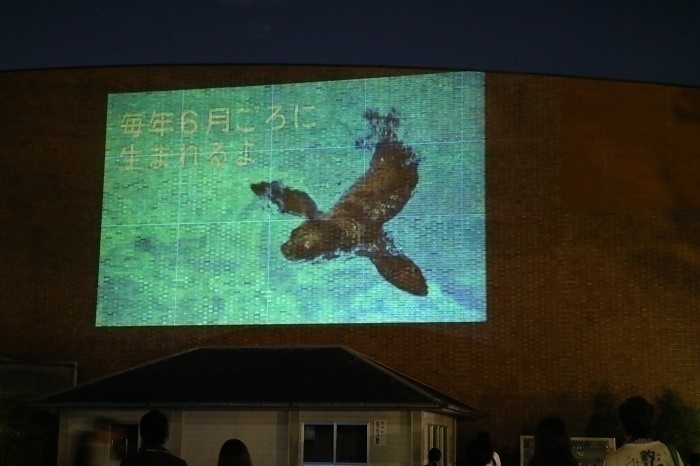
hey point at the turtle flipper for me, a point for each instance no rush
(400, 271)
(288, 200)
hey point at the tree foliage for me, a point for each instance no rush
(677, 422)
(603, 421)
(27, 437)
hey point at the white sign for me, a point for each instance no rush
(380, 433)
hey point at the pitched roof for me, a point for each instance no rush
(260, 377)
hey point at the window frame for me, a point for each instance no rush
(334, 461)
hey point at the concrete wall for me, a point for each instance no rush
(265, 433)
(197, 435)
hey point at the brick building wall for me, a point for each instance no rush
(593, 239)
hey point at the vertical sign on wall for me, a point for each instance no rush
(380, 433)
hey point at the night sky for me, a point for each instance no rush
(650, 41)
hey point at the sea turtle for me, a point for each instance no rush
(355, 224)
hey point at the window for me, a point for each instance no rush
(335, 444)
(437, 438)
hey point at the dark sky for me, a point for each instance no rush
(637, 40)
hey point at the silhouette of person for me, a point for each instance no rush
(234, 453)
(479, 451)
(92, 448)
(154, 431)
(637, 416)
(552, 444)
(434, 456)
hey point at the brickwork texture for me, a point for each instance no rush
(593, 240)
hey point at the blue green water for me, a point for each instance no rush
(185, 241)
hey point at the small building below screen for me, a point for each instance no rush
(289, 405)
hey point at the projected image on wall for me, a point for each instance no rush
(357, 201)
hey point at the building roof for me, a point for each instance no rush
(260, 377)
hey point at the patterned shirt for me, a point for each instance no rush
(642, 454)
